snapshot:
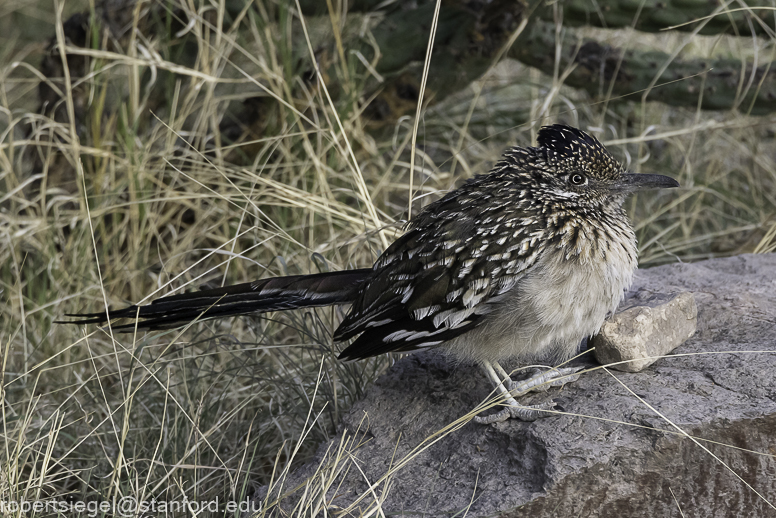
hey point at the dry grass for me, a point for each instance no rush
(144, 195)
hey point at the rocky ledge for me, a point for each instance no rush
(691, 435)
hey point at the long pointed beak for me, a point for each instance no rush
(631, 182)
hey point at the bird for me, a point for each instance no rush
(520, 263)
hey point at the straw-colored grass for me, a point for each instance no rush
(142, 195)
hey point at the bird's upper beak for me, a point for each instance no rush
(631, 182)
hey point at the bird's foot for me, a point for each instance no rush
(539, 382)
(514, 410)
(542, 380)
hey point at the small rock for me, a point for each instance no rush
(642, 333)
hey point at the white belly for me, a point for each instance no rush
(546, 315)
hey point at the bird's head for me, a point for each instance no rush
(576, 168)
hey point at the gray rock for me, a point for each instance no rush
(617, 451)
(643, 330)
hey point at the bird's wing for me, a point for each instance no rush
(440, 278)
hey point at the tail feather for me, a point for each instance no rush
(274, 294)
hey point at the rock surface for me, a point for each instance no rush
(652, 326)
(614, 452)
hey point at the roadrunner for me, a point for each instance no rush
(523, 262)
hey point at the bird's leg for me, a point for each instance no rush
(512, 408)
(541, 379)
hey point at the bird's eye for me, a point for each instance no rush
(577, 179)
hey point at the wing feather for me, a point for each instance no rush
(444, 275)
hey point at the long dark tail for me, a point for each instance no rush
(275, 294)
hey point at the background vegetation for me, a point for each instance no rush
(192, 143)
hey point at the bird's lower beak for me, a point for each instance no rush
(631, 182)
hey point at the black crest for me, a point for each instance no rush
(566, 140)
